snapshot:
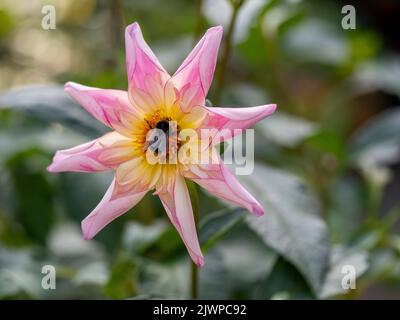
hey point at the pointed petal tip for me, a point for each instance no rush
(87, 237)
(268, 109)
(257, 210)
(217, 29)
(52, 167)
(67, 87)
(273, 107)
(215, 35)
(70, 85)
(200, 261)
(85, 226)
(132, 27)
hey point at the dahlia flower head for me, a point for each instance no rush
(170, 105)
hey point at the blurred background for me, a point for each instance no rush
(328, 161)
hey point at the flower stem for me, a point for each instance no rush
(117, 22)
(194, 197)
(199, 20)
(194, 282)
(227, 48)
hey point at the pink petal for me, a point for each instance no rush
(146, 75)
(115, 202)
(219, 181)
(100, 154)
(226, 120)
(193, 78)
(179, 209)
(106, 105)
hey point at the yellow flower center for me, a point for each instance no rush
(155, 145)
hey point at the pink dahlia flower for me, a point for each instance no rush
(154, 100)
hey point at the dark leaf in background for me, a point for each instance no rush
(382, 74)
(123, 280)
(286, 130)
(246, 259)
(52, 104)
(317, 41)
(214, 278)
(290, 224)
(93, 274)
(348, 207)
(215, 225)
(284, 282)
(137, 237)
(19, 274)
(19, 132)
(378, 142)
(340, 258)
(34, 195)
(168, 246)
(66, 243)
(170, 279)
(164, 280)
(81, 192)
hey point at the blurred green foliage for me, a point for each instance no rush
(326, 171)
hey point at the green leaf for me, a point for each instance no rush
(167, 280)
(217, 224)
(284, 282)
(341, 257)
(243, 250)
(382, 74)
(326, 141)
(52, 104)
(122, 282)
(167, 247)
(19, 132)
(290, 225)
(33, 194)
(286, 130)
(347, 207)
(170, 280)
(245, 94)
(280, 18)
(95, 273)
(66, 243)
(11, 233)
(137, 237)
(81, 201)
(214, 281)
(19, 274)
(317, 41)
(377, 142)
